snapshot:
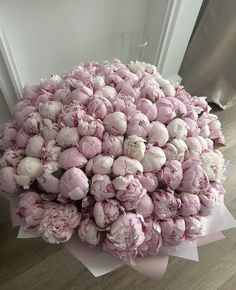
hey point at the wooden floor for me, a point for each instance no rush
(33, 264)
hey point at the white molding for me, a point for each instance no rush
(180, 17)
(6, 54)
(175, 79)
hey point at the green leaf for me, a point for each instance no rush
(220, 145)
(72, 88)
(58, 173)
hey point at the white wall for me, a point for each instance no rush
(4, 111)
(47, 37)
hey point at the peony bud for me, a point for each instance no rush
(124, 165)
(158, 134)
(154, 159)
(34, 146)
(72, 158)
(67, 137)
(134, 147)
(90, 146)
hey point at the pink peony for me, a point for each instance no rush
(71, 114)
(88, 126)
(116, 123)
(192, 127)
(193, 227)
(8, 138)
(158, 134)
(34, 146)
(102, 187)
(125, 236)
(50, 110)
(124, 165)
(74, 184)
(194, 179)
(7, 180)
(112, 145)
(21, 116)
(45, 178)
(88, 232)
(175, 150)
(139, 125)
(149, 181)
(172, 174)
(190, 204)
(166, 203)
(43, 98)
(194, 147)
(30, 209)
(11, 158)
(165, 110)
(81, 95)
(208, 201)
(100, 164)
(62, 95)
(177, 128)
(109, 92)
(172, 231)
(32, 124)
(146, 107)
(106, 212)
(48, 129)
(154, 159)
(21, 104)
(213, 163)
(67, 137)
(58, 222)
(22, 139)
(153, 239)
(134, 147)
(124, 104)
(51, 151)
(99, 107)
(72, 158)
(179, 106)
(90, 146)
(145, 206)
(129, 191)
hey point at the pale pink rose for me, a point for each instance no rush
(195, 179)
(8, 137)
(112, 145)
(208, 201)
(45, 178)
(165, 110)
(145, 206)
(7, 180)
(149, 181)
(21, 104)
(124, 165)
(175, 150)
(190, 204)
(32, 124)
(99, 107)
(158, 134)
(172, 231)
(213, 163)
(194, 147)
(116, 123)
(129, 191)
(48, 129)
(138, 124)
(50, 110)
(172, 174)
(27, 171)
(43, 98)
(100, 164)
(22, 139)
(106, 212)
(125, 104)
(82, 95)
(134, 147)
(11, 158)
(72, 158)
(109, 92)
(193, 227)
(146, 107)
(102, 187)
(128, 89)
(51, 151)
(177, 128)
(63, 95)
(88, 126)
(166, 203)
(74, 184)
(67, 137)
(90, 146)
(71, 114)
(58, 223)
(21, 116)
(192, 127)
(34, 146)
(89, 232)
(30, 209)
(125, 236)
(153, 239)
(154, 159)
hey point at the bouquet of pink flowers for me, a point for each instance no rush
(116, 157)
